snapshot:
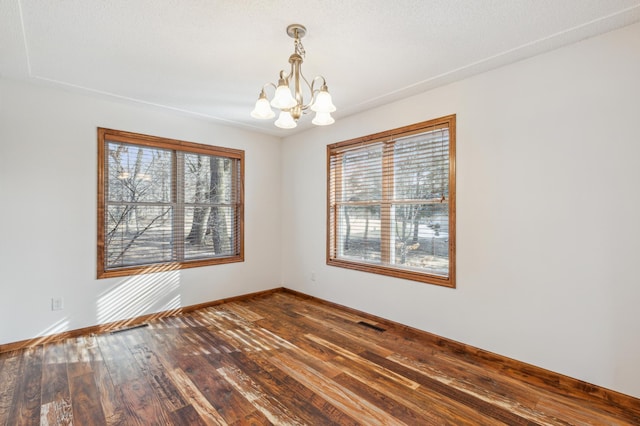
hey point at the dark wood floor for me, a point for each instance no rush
(283, 359)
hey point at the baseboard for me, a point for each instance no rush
(130, 322)
(529, 373)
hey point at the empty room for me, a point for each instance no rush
(410, 212)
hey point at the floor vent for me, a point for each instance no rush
(375, 327)
(120, 330)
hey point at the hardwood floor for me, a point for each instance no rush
(287, 360)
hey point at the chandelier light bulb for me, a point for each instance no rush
(285, 120)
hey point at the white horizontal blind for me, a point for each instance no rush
(210, 207)
(164, 205)
(140, 206)
(356, 193)
(420, 206)
(389, 202)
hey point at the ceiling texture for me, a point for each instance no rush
(210, 58)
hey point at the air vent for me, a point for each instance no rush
(374, 327)
(129, 328)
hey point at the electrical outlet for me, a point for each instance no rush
(313, 276)
(57, 303)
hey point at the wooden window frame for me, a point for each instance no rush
(174, 145)
(333, 194)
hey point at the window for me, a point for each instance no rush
(166, 204)
(391, 203)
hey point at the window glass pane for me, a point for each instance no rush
(421, 166)
(207, 179)
(138, 174)
(209, 231)
(138, 235)
(362, 174)
(359, 233)
(422, 237)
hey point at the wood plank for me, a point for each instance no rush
(383, 388)
(156, 374)
(110, 397)
(493, 392)
(9, 374)
(27, 401)
(480, 405)
(140, 403)
(342, 398)
(190, 392)
(432, 406)
(396, 408)
(243, 310)
(295, 336)
(78, 357)
(56, 397)
(87, 409)
(268, 405)
(186, 416)
(364, 363)
(56, 413)
(342, 319)
(227, 401)
(223, 320)
(557, 409)
(309, 406)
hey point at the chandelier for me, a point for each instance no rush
(289, 98)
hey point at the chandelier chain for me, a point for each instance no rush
(299, 48)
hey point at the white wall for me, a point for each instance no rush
(48, 157)
(548, 174)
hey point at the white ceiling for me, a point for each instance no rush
(211, 57)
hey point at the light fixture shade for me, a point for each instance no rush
(323, 119)
(323, 101)
(283, 98)
(285, 120)
(262, 110)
